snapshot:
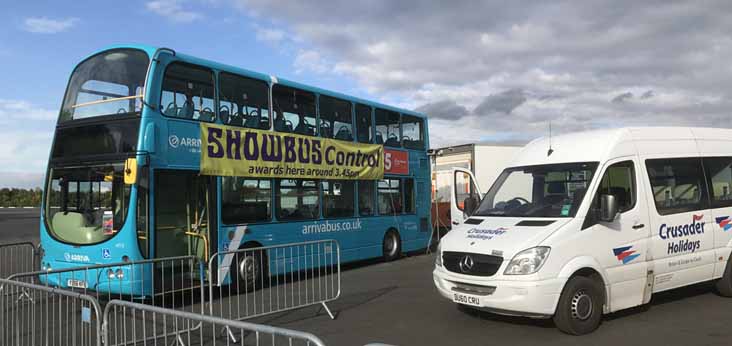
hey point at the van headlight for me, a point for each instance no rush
(528, 261)
(438, 258)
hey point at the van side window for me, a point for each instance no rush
(618, 180)
(677, 184)
(719, 172)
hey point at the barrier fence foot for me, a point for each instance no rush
(229, 334)
(332, 317)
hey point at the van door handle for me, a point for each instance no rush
(638, 226)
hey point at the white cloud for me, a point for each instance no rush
(26, 131)
(310, 60)
(526, 63)
(173, 10)
(45, 25)
(270, 35)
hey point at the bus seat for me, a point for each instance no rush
(379, 138)
(280, 124)
(236, 119)
(252, 121)
(344, 134)
(224, 114)
(186, 111)
(392, 141)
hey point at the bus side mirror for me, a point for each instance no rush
(608, 208)
(131, 171)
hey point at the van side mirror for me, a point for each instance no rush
(130, 171)
(608, 208)
(469, 205)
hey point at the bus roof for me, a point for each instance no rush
(150, 50)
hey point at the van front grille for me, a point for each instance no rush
(471, 263)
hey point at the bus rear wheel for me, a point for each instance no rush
(249, 267)
(392, 246)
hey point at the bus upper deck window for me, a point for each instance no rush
(388, 130)
(108, 83)
(294, 110)
(243, 101)
(335, 118)
(363, 124)
(188, 92)
(412, 132)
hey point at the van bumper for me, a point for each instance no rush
(536, 299)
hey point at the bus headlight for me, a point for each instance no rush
(438, 258)
(528, 261)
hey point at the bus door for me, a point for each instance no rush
(465, 195)
(184, 202)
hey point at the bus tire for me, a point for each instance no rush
(250, 267)
(724, 284)
(392, 245)
(579, 310)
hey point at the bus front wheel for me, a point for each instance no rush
(250, 267)
(392, 246)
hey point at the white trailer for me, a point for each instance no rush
(485, 160)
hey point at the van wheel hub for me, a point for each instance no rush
(581, 305)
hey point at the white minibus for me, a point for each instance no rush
(586, 224)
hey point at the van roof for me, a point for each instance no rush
(601, 145)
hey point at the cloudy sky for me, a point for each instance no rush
(483, 71)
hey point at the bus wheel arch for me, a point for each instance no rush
(392, 245)
(580, 307)
(250, 266)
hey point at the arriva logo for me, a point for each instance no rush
(173, 141)
(184, 142)
(72, 257)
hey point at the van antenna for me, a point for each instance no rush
(550, 151)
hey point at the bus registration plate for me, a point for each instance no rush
(76, 283)
(465, 299)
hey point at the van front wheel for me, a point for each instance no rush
(579, 310)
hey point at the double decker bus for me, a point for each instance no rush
(125, 180)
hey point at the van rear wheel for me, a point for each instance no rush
(724, 284)
(579, 310)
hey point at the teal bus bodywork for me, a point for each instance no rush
(166, 146)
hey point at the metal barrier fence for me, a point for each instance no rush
(17, 258)
(294, 276)
(125, 322)
(40, 315)
(174, 282)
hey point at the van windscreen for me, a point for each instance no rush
(554, 190)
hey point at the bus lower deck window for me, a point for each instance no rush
(338, 198)
(245, 200)
(298, 199)
(366, 195)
